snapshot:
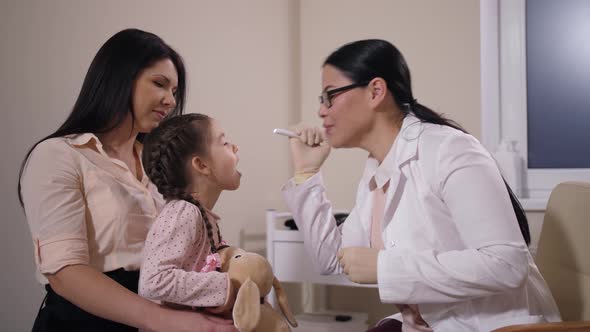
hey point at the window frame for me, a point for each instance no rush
(504, 96)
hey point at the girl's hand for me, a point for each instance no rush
(359, 264)
(310, 150)
(226, 309)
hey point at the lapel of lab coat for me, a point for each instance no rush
(407, 149)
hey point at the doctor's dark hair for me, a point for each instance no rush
(364, 60)
(167, 152)
(106, 96)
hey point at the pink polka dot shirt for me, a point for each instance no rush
(174, 254)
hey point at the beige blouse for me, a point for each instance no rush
(84, 207)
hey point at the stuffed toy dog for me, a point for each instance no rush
(252, 277)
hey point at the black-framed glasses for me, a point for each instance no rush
(326, 96)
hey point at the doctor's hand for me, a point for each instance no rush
(359, 264)
(310, 150)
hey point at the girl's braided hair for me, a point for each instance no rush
(166, 153)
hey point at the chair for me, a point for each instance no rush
(563, 257)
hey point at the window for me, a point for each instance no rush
(535, 74)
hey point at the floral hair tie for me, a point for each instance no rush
(212, 263)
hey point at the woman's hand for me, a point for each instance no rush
(191, 321)
(310, 150)
(100, 295)
(359, 264)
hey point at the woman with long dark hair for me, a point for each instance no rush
(87, 199)
(434, 225)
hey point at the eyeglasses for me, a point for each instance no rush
(326, 96)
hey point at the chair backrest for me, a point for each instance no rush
(563, 255)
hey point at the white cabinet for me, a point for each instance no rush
(291, 263)
(286, 254)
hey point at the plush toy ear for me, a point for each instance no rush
(246, 311)
(283, 303)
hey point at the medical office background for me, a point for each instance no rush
(255, 65)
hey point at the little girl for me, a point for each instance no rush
(190, 161)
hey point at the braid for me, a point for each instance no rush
(167, 150)
(208, 225)
(169, 191)
(158, 169)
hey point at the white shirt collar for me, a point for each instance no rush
(403, 149)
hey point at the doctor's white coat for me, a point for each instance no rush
(452, 242)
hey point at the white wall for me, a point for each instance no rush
(239, 59)
(439, 39)
(253, 65)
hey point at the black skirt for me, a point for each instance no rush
(59, 314)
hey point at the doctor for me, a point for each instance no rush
(434, 224)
